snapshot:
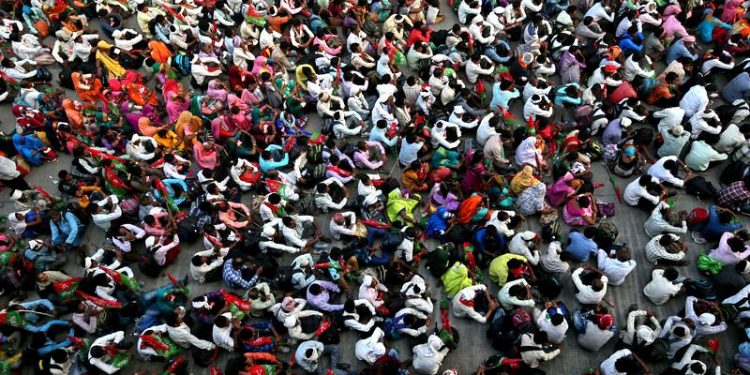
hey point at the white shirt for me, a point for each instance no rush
(655, 251)
(695, 100)
(634, 192)
(587, 295)
(615, 269)
(662, 174)
(659, 290)
(222, 337)
(112, 338)
(104, 220)
(463, 298)
(731, 138)
(656, 224)
(370, 349)
(608, 366)
(669, 117)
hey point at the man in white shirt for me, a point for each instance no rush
(662, 286)
(343, 224)
(221, 333)
(666, 169)
(593, 292)
(323, 199)
(552, 320)
(526, 244)
(293, 230)
(637, 193)
(102, 215)
(98, 355)
(269, 235)
(616, 268)
(206, 265)
(464, 302)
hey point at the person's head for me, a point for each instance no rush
(736, 244)
(349, 306)
(274, 198)
(55, 215)
(590, 232)
(666, 240)
(97, 351)
(626, 365)
(597, 285)
(623, 254)
(237, 262)
(60, 356)
(671, 166)
(541, 338)
(321, 188)
(198, 260)
(315, 289)
(514, 263)
(557, 319)
(288, 221)
(518, 291)
(671, 274)
(583, 201)
(221, 321)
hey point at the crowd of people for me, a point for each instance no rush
(355, 170)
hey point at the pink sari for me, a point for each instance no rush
(206, 159)
(574, 216)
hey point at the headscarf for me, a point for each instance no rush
(113, 66)
(531, 200)
(523, 180)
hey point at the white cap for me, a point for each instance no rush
(35, 244)
(459, 110)
(150, 242)
(645, 334)
(626, 122)
(16, 194)
(677, 130)
(269, 231)
(707, 319)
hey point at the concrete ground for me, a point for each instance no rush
(473, 348)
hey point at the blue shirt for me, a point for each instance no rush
(737, 88)
(233, 277)
(713, 229)
(581, 247)
(677, 50)
(501, 98)
(66, 230)
(268, 165)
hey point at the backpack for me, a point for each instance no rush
(204, 358)
(326, 126)
(697, 216)
(701, 288)
(315, 154)
(700, 188)
(187, 230)
(391, 241)
(735, 171)
(284, 278)
(390, 328)
(657, 351)
(551, 231)
(606, 234)
(251, 241)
